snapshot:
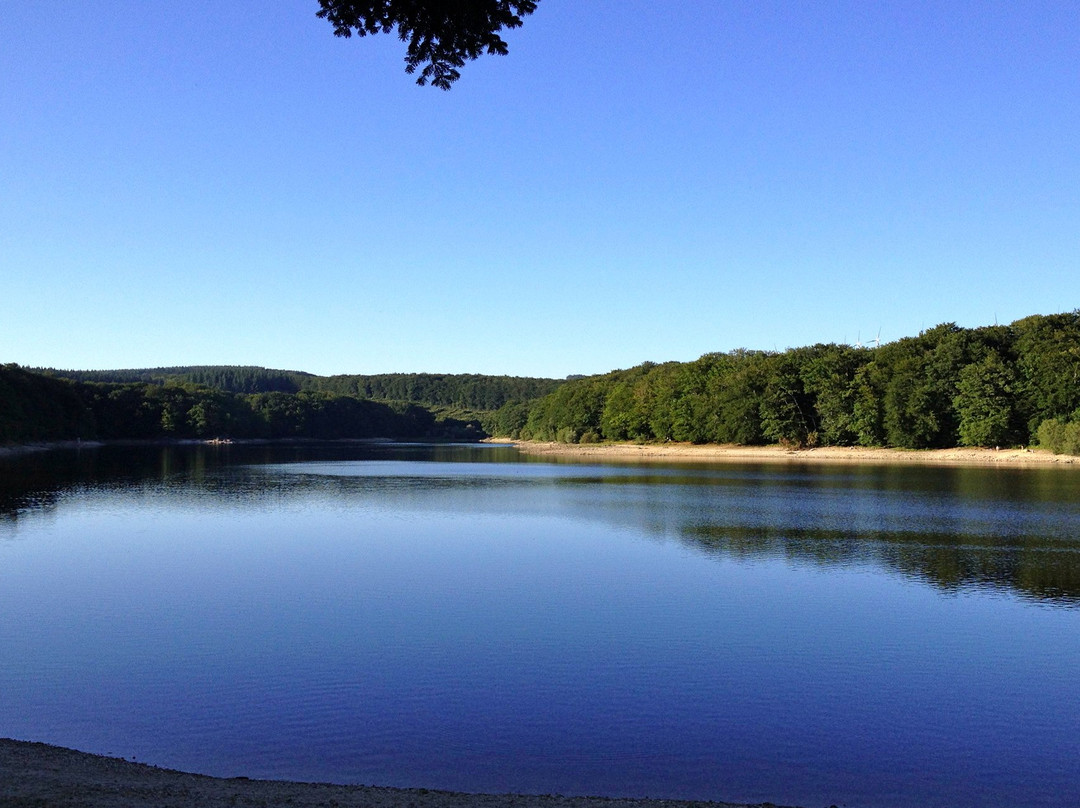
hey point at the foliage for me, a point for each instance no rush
(231, 378)
(1060, 435)
(985, 403)
(38, 407)
(948, 386)
(1048, 364)
(788, 413)
(466, 391)
(441, 35)
(573, 410)
(829, 375)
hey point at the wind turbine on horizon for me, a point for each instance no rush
(876, 340)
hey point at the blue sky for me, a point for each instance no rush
(229, 183)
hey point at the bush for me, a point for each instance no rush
(566, 434)
(1060, 437)
(1072, 439)
(1051, 435)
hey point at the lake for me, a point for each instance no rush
(468, 618)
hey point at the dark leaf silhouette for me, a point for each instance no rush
(441, 34)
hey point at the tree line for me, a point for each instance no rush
(465, 391)
(1001, 385)
(39, 407)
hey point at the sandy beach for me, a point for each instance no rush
(710, 453)
(35, 774)
(693, 453)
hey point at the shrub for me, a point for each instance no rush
(1051, 435)
(1060, 437)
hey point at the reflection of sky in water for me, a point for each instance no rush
(730, 633)
(450, 471)
(951, 527)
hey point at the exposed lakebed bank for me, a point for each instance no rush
(711, 453)
(36, 774)
(660, 452)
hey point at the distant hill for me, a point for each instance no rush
(474, 392)
(37, 407)
(999, 385)
(230, 378)
(464, 391)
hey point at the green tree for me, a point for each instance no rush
(694, 407)
(571, 413)
(738, 399)
(829, 374)
(788, 414)
(509, 420)
(1048, 363)
(1060, 435)
(985, 403)
(628, 406)
(921, 378)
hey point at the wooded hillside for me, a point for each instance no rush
(1001, 385)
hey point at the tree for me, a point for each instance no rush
(922, 376)
(442, 34)
(985, 403)
(829, 374)
(628, 406)
(739, 397)
(1048, 363)
(788, 413)
(695, 405)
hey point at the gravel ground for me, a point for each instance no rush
(711, 453)
(35, 775)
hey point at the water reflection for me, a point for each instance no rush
(482, 621)
(954, 528)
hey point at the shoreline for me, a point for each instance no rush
(647, 452)
(853, 455)
(13, 449)
(40, 774)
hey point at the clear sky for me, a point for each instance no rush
(229, 183)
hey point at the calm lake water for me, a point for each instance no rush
(467, 618)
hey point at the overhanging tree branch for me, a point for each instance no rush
(441, 34)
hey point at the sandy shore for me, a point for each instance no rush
(688, 452)
(34, 774)
(691, 453)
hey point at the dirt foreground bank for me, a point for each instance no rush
(710, 453)
(35, 774)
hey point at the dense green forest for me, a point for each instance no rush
(232, 379)
(1001, 385)
(250, 402)
(471, 392)
(40, 407)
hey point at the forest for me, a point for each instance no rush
(471, 392)
(1000, 385)
(37, 406)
